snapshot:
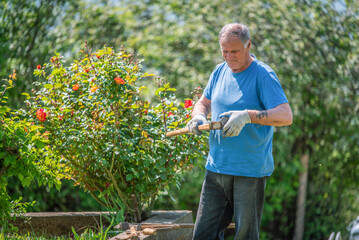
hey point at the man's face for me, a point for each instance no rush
(234, 53)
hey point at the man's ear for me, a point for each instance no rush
(249, 44)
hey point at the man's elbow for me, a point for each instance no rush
(287, 115)
(289, 118)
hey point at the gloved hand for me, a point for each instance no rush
(236, 121)
(195, 121)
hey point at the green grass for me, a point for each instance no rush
(88, 234)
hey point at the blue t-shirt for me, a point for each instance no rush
(256, 88)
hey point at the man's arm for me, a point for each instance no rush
(203, 106)
(280, 115)
(199, 114)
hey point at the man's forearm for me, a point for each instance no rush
(200, 109)
(203, 106)
(278, 116)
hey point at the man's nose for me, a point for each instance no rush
(229, 55)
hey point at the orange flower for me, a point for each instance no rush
(93, 88)
(119, 80)
(75, 87)
(41, 115)
(38, 67)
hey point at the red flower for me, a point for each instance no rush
(61, 117)
(170, 114)
(38, 67)
(188, 103)
(108, 184)
(41, 115)
(87, 70)
(146, 112)
(119, 80)
(75, 87)
(98, 56)
(187, 116)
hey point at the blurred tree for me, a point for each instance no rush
(26, 40)
(98, 22)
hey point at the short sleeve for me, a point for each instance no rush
(207, 92)
(211, 82)
(272, 93)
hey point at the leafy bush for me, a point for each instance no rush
(24, 154)
(111, 141)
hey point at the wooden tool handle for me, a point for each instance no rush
(204, 127)
(177, 132)
(149, 231)
(173, 226)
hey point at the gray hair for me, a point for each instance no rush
(238, 30)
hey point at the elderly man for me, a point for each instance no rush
(240, 158)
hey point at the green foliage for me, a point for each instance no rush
(88, 234)
(23, 155)
(112, 143)
(185, 194)
(69, 198)
(25, 39)
(312, 47)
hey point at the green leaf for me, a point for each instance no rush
(26, 181)
(161, 89)
(8, 159)
(26, 94)
(129, 177)
(39, 144)
(47, 86)
(20, 176)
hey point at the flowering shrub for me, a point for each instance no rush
(111, 141)
(24, 154)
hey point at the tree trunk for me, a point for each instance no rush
(301, 198)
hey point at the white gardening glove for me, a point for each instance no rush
(195, 121)
(236, 121)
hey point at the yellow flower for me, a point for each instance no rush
(144, 134)
(13, 75)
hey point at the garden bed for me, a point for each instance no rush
(61, 223)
